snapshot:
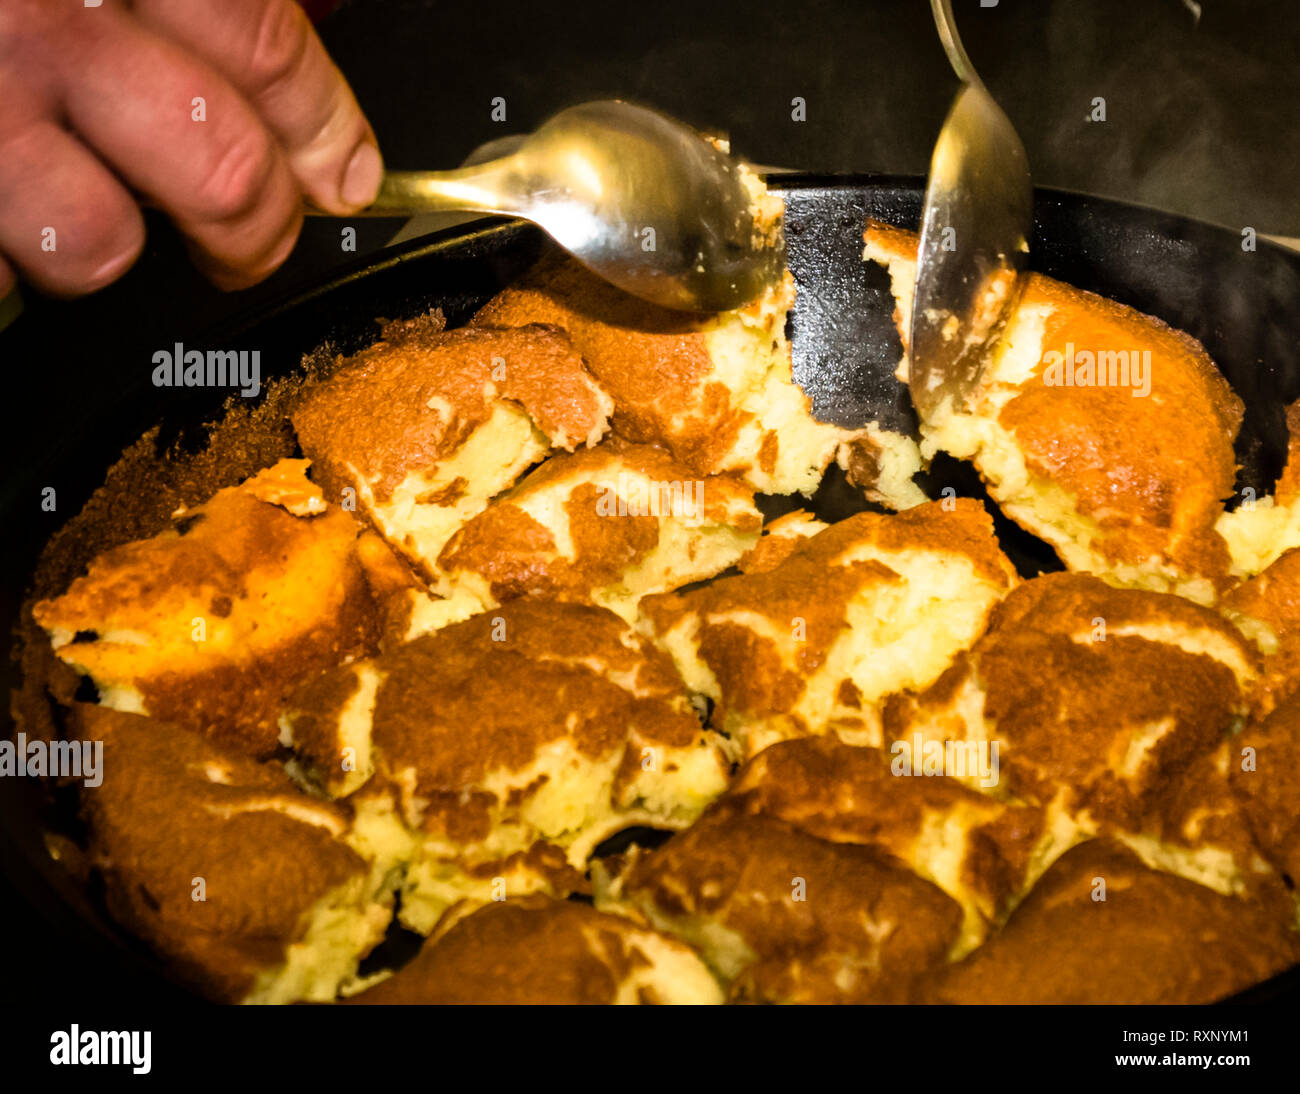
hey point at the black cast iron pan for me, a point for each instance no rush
(1244, 305)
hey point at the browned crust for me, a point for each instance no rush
(812, 584)
(373, 417)
(863, 914)
(1273, 598)
(1060, 603)
(1199, 808)
(392, 584)
(892, 242)
(518, 555)
(1065, 711)
(1288, 486)
(780, 539)
(1151, 471)
(805, 575)
(849, 794)
(489, 694)
(159, 821)
(653, 361)
(1155, 938)
(750, 673)
(523, 951)
(1264, 773)
(958, 525)
(140, 492)
(232, 546)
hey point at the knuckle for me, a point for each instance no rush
(281, 40)
(238, 176)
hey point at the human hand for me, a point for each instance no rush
(223, 113)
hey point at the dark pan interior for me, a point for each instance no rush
(1243, 305)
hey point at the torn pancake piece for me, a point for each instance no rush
(1093, 696)
(779, 540)
(1194, 827)
(533, 949)
(981, 851)
(1261, 767)
(1260, 530)
(607, 525)
(869, 606)
(212, 622)
(716, 391)
(782, 916)
(509, 745)
(249, 887)
(883, 463)
(1102, 927)
(1267, 609)
(421, 429)
(1095, 427)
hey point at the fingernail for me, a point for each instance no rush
(111, 270)
(361, 180)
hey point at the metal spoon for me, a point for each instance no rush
(640, 199)
(974, 237)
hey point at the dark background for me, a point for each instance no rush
(1201, 120)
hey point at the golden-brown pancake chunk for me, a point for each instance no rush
(883, 463)
(977, 849)
(1267, 609)
(1154, 938)
(534, 950)
(606, 525)
(1264, 770)
(1097, 428)
(248, 886)
(1093, 696)
(1196, 827)
(869, 606)
(509, 746)
(212, 622)
(418, 431)
(779, 541)
(715, 390)
(782, 916)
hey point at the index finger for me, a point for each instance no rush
(268, 50)
(130, 94)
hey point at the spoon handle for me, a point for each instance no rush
(483, 188)
(947, 24)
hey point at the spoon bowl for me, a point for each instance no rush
(643, 201)
(975, 231)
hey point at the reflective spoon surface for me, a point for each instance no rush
(975, 232)
(643, 201)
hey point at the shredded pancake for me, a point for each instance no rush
(537, 950)
(868, 606)
(509, 744)
(1099, 429)
(211, 623)
(421, 429)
